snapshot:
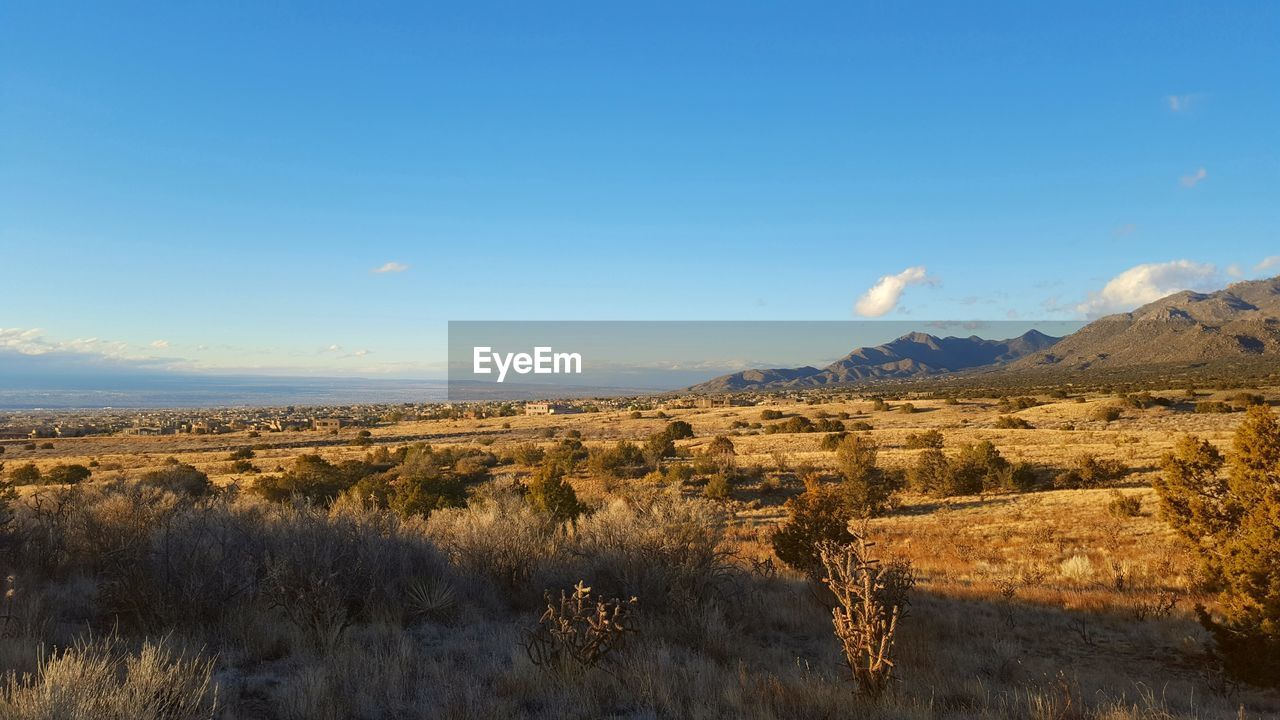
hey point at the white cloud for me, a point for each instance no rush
(331, 349)
(1190, 181)
(1142, 284)
(884, 295)
(1233, 270)
(391, 267)
(159, 343)
(1268, 263)
(361, 353)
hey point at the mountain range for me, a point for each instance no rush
(1183, 329)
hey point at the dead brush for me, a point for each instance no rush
(6, 605)
(871, 598)
(580, 630)
(1158, 607)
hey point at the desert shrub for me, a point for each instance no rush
(866, 488)
(636, 415)
(311, 477)
(63, 474)
(879, 405)
(1012, 422)
(795, 424)
(102, 679)
(527, 454)
(180, 479)
(422, 494)
(818, 515)
(625, 459)
(906, 408)
(1212, 406)
(831, 441)
(548, 492)
(501, 539)
(770, 414)
(27, 474)
(1014, 404)
(974, 468)
(719, 486)
(1106, 413)
(1194, 498)
(720, 447)
(46, 446)
(930, 473)
(579, 631)
(244, 453)
(243, 466)
(658, 447)
(1233, 524)
(871, 599)
(1090, 471)
(1124, 506)
(1247, 399)
(325, 570)
(926, 439)
(1144, 400)
(662, 549)
(567, 454)
(861, 426)
(679, 430)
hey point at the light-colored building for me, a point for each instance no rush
(547, 408)
(713, 401)
(328, 424)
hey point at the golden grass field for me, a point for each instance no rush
(1039, 604)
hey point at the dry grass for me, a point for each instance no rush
(1035, 605)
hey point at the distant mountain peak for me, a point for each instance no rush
(1186, 327)
(911, 355)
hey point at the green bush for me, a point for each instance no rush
(27, 474)
(1124, 506)
(1012, 422)
(1212, 406)
(719, 486)
(180, 480)
(770, 414)
(831, 441)
(926, 439)
(62, 474)
(1089, 471)
(816, 516)
(1234, 523)
(865, 487)
(548, 492)
(1106, 413)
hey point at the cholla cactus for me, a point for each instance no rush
(871, 599)
(580, 630)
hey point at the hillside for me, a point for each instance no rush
(912, 355)
(1186, 328)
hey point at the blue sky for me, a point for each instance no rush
(212, 186)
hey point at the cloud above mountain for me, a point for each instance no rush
(884, 296)
(1145, 283)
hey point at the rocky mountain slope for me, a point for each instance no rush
(1185, 328)
(912, 355)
